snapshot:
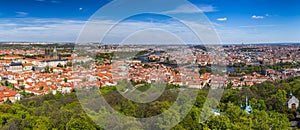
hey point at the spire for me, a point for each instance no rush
(54, 50)
(247, 107)
(246, 100)
(291, 94)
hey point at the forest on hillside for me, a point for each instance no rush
(63, 112)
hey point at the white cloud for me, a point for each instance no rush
(21, 14)
(63, 30)
(57, 30)
(258, 33)
(207, 8)
(192, 9)
(222, 19)
(122, 30)
(33, 28)
(257, 17)
(48, 30)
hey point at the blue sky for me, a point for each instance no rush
(235, 21)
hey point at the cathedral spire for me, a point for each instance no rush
(54, 50)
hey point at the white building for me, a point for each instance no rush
(293, 102)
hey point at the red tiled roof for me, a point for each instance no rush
(7, 93)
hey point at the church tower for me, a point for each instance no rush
(51, 53)
(247, 107)
(47, 53)
(55, 55)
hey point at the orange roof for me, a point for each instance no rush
(70, 58)
(40, 59)
(5, 61)
(7, 93)
(27, 64)
(12, 57)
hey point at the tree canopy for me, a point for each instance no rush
(59, 111)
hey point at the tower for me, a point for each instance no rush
(247, 107)
(55, 56)
(47, 53)
(246, 100)
(51, 53)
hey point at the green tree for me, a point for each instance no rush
(260, 120)
(60, 65)
(65, 80)
(258, 104)
(219, 123)
(79, 124)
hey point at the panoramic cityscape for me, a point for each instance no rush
(86, 65)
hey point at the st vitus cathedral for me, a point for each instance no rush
(51, 53)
